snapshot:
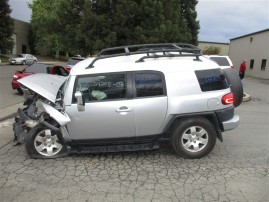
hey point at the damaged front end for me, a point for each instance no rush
(42, 106)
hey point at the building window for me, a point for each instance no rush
(24, 49)
(263, 64)
(251, 64)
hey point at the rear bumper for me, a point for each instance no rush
(231, 123)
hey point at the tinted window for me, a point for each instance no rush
(221, 61)
(210, 80)
(263, 65)
(148, 84)
(38, 68)
(102, 87)
(251, 64)
(73, 61)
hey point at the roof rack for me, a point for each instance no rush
(182, 49)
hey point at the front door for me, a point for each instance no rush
(108, 113)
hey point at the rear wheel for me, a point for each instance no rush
(193, 138)
(42, 142)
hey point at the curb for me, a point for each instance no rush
(246, 97)
(9, 112)
(13, 115)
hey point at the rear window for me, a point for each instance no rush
(38, 68)
(211, 80)
(74, 61)
(221, 61)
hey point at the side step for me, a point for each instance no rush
(114, 148)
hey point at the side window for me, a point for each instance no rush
(102, 87)
(211, 80)
(148, 84)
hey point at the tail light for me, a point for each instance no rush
(228, 99)
(67, 68)
(232, 67)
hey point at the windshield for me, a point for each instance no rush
(20, 56)
(73, 61)
(38, 68)
(62, 89)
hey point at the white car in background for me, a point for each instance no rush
(23, 59)
(222, 60)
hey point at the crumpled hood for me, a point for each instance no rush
(46, 85)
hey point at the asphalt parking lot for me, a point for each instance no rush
(236, 170)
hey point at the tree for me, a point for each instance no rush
(86, 26)
(46, 25)
(32, 40)
(189, 15)
(211, 50)
(6, 24)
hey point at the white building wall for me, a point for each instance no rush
(251, 47)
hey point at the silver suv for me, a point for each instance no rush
(130, 98)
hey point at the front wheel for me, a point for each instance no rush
(193, 138)
(23, 62)
(42, 142)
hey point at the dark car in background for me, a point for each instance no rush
(34, 69)
(72, 61)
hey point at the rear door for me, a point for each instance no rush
(150, 102)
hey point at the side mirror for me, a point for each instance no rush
(80, 100)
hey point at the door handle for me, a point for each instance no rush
(124, 109)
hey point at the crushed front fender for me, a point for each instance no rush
(19, 131)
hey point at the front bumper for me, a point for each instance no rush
(21, 125)
(232, 123)
(15, 62)
(18, 127)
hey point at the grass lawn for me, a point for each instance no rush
(4, 58)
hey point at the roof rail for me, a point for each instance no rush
(164, 48)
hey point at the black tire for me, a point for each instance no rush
(23, 62)
(193, 134)
(236, 85)
(44, 143)
(20, 91)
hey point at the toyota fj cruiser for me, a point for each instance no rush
(130, 98)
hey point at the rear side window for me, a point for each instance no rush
(221, 61)
(149, 84)
(211, 80)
